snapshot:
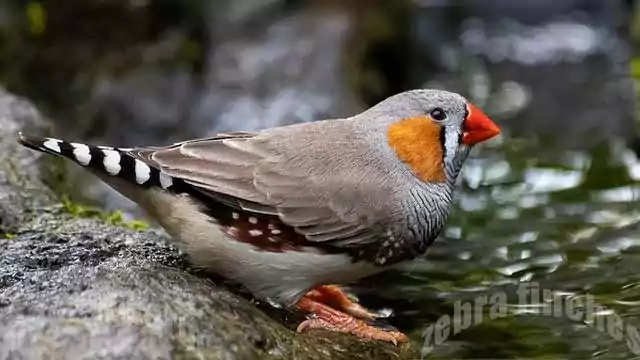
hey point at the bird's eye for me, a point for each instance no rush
(437, 114)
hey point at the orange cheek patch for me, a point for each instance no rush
(416, 143)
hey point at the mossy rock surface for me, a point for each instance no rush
(73, 287)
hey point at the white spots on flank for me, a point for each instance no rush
(142, 171)
(111, 161)
(165, 180)
(235, 216)
(81, 153)
(52, 144)
(232, 231)
(253, 219)
(274, 230)
(255, 232)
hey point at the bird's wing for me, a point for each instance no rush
(263, 173)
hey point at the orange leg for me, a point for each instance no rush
(334, 320)
(332, 296)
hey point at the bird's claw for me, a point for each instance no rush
(333, 296)
(327, 318)
(359, 311)
(355, 327)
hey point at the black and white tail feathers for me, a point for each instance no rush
(103, 159)
(124, 164)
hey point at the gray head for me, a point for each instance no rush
(432, 131)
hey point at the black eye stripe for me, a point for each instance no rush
(443, 140)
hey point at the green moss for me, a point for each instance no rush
(116, 218)
(112, 218)
(8, 236)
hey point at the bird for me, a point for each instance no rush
(295, 212)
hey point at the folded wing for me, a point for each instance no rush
(247, 171)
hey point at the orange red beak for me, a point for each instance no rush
(477, 127)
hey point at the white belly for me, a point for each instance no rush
(282, 277)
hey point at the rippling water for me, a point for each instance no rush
(524, 214)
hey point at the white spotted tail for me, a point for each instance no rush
(104, 159)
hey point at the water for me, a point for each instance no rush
(552, 203)
(568, 224)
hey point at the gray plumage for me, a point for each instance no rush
(337, 183)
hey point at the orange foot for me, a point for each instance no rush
(332, 296)
(334, 320)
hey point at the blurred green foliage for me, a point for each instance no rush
(36, 16)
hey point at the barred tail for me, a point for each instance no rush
(105, 160)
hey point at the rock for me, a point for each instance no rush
(18, 196)
(73, 288)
